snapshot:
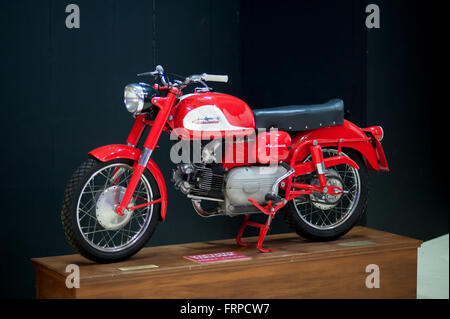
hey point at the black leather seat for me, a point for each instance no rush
(301, 117)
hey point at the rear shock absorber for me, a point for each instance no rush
(317, 159)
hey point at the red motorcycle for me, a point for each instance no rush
(303, 160)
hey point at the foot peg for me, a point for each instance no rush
(274, 198)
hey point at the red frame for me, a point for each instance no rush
(298, 147)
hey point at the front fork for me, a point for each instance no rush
(138, 170)
(165, 105)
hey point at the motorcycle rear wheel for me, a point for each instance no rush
(88, 211)
(316, 219)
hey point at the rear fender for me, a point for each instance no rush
(115, 151)
(370, 149)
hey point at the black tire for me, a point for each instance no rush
(305, 230)
(69, 214)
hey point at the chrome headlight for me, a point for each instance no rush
(137, 97)
(134, 98)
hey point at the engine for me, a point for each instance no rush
(200, 181)
(229, 192)
(242, 183)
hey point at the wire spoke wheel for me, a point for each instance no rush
(89, 216)
(100, 225)
(325, 216)
(322, 212)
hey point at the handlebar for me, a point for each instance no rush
(159, 73)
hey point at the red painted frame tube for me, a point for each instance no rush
(137, 130)
(145, 204)
(308, 167)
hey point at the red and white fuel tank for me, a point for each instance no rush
(207, 114)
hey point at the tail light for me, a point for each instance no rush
(376, 131)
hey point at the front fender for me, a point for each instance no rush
(115, 151)
(371, 150)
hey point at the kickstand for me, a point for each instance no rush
(263, 229)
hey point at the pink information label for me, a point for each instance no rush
(217, 257)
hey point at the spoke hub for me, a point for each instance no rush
(327, 201)
(106, 206)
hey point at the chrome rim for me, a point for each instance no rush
(97, 221)
(329, 216)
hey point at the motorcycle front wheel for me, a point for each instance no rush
(323, 217)
(89, 217)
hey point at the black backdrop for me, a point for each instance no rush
(61, 93)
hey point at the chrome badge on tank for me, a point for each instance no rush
(208, 118)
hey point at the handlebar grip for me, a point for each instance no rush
(215, 78)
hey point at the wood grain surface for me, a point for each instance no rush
(297, 269)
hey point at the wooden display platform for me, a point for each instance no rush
(297, 269)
